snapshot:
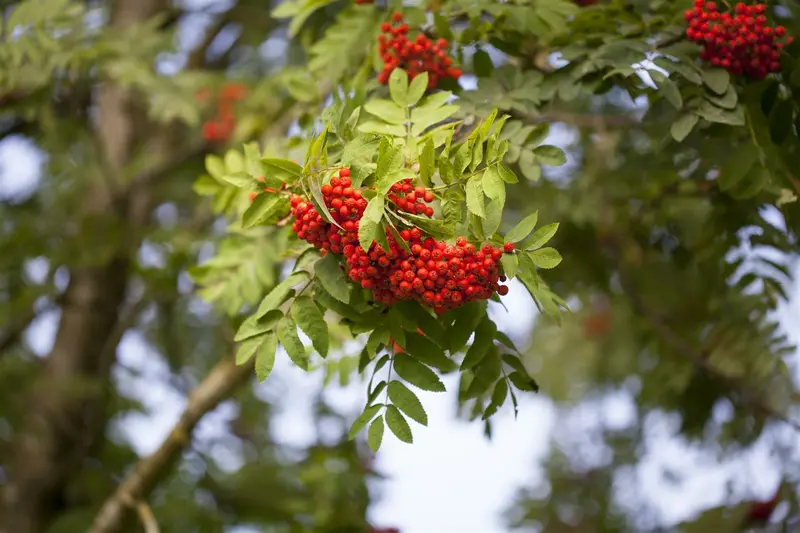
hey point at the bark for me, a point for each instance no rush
(66, 414)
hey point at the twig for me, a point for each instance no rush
(220, 383)
(687, 351)
(146, 516)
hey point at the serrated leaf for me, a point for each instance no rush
(493, 185)
(363, 419)
(265, 356)
(398, 87)
(254, 326)
(407, 402)
(416, 89)
(263, 208)
(241, 180)
(484, 337)
(398, 424)
(523, 382)
(510, 265)
(523, 229)
(363, 147)
(390, 159)
(386, 181)
(386, 110)
(499, 395)
(467, 319)
(278, 295)
(506, 174)
(330, 275)
(716, 79)
(682, 127)
(290, 340)
(373, 126)
(541, 237)
(247, 349)
(550, 155)
(310, 319)
(417, 374)
(671, 93)
(375, 435)
(284, 169)
(367, 231)
(475, 201)
(427, 163)
(545, 257)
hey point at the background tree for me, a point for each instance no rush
(677, 161)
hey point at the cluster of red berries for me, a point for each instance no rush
(362, 2)
(414, 56)
(740, 42)
(435, 273)
(221, 128)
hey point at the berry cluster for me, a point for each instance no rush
(437, 274)
(414, 56)
(740, 42)
(221, 128)
(362, 2)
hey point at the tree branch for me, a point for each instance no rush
(688, 352)
(220, 383)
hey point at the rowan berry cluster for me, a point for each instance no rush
(415, 56)
(440, 275)
(220, 128)
(741, 42)
(362, 2)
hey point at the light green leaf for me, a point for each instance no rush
(417, 374)
(545, 257)
(475, 201)
(310, 319)
(427, 163)
(416, 89)
(390, 158)
(682, 127)
(493, 185)
(506, 174)
(367, 231)
(541, 237)
(242, 180)
(386, 110)
(265, 357)
(254, 326)
(215, 166)
(289, 171)
(290, 340)
(527, 164)
(278, 295)
(398, 424)
(330, 274)
(398, 87)
(716, 79)
(247, 349)
(386, 181)
(550, 155)
(375, 435)
(234, 162)
(523, 229)
(264, 208)
(372, 126)
(510, 264)
(363, 419)
(407, 402)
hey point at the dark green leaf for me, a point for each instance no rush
(330, 274)
(484, 337)
(545, 257)
(310, 319)
(467, 319)
(716, 79)
(398, 424)
(375, 436)
(254, 326)
(278, 295)
(682, 127)
(550, 155)
(780, 121)
(498, 398)
(417, 374)
(265, 356)
(482, 64)
(523, 229)
(363, 419)
(523, 382)
(290, 340)
(407, 402)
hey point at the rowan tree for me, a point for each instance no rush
(358, 187)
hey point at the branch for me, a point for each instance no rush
(220, 383)
(688, 352)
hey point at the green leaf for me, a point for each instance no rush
(398, 424)
(242, 180)
(716, 79)
(493, 185)
(373, 126)
(215, 166)
(521, 230)
(363, 419)
(265, 357)
(484, 337)
(416, 89)
(510, 265)
(736, 166)
(278, 295)
(329, 273)
(475, 201)
(671, 93)
(482, 64)
(407, 402)
(284, 169)
(363, 147)
(499, 395)
(398, 87)
(390, 158)
(541, 237)
(545, 257)
(426, 351)
(523, 382)
(367, 231)
(417, 374)
(427, 163)
(319, 201)
(247, 349)
(537, 135)
(727, 101)
(254, 326)
(506, 174)
(527, 164)
(550, 155)
(375, 435)
(386, 181)
(682, 127)
(467, 319)
(386, 110)
(311, 320)
(290, 340)
(263, 208)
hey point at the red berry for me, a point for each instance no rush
(508, 247)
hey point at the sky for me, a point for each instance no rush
(452, 479)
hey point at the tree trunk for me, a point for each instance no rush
(66, 417)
